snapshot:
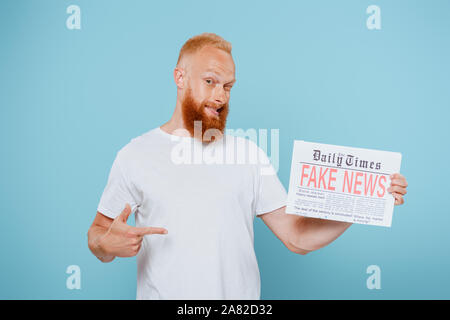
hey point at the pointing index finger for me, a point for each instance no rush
(149, 230)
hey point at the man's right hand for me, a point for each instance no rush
(122, 240)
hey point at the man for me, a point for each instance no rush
(194, 220)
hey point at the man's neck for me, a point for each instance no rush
(176, 125)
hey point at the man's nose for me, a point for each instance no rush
(220, 95)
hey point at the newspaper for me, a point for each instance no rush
(342, 183)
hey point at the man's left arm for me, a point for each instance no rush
(302, 234)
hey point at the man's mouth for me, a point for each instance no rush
(214, 111)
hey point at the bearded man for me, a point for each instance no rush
(194, 221)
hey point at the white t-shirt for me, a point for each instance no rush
(206, 196)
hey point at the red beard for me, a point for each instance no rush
(193, 111)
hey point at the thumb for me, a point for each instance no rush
(125, 213)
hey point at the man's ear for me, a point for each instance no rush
(179, 75)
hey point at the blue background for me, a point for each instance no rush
(70, 99)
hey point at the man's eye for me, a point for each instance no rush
(208, 81)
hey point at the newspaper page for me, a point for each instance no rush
(342, 183)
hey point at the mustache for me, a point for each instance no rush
(217, 106)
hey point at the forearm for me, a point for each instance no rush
(312, 233)
(94, 235)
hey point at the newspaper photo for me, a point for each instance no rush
(342, 183)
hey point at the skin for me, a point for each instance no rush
(210, 73)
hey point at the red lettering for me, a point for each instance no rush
(368, 184)
(305, 166)
(349, 182)
(381, 186)
(322, 177)
(330, 187)
(312, 177)
(357, 182)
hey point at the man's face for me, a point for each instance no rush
(211, 76)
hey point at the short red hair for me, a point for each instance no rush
(202, 40)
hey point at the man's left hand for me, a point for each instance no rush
(398, 187)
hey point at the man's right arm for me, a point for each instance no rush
(98, 229)
(109, 238)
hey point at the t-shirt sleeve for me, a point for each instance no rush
(271, 193)
(119, 190)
